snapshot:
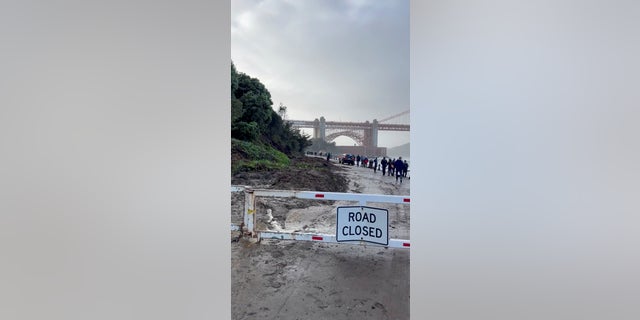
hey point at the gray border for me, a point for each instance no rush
(524, 119)
(114, 174)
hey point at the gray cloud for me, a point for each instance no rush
(344, 60)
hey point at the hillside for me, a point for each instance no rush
(401, 150)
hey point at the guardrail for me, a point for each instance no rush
(248, 227)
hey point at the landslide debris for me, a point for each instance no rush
(304, 174)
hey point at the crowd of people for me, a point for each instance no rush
(392, 167)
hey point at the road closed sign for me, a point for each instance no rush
(360, 223)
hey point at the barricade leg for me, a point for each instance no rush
(249, 213)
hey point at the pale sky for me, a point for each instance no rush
(344, 60)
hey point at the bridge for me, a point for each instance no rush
(365, 134)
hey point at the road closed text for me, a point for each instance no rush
(362, 224)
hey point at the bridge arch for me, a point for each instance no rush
(356, 136)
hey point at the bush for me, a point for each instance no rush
(248, 156)
(245, 131)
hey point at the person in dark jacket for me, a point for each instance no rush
(398, 166)
(383, 165)
(405, 169)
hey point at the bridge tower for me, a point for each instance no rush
(374, 133)
(371, 134)
(320, 129)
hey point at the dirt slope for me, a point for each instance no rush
(305, 173)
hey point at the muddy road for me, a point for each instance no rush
(277, 279)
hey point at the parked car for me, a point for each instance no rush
(347, 159)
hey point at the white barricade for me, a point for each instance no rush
(249, 215)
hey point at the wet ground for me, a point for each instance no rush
(276, 279)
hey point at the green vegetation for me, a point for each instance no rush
(261, 140)
(251, 157)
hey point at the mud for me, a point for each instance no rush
(276, 279)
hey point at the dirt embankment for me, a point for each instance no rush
(305, 173)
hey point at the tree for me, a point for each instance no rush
(253, 118)
(282, 111)
(236, 104)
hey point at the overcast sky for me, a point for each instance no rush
(344, 60)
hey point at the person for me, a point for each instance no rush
(405, 168)
(375, 165)
(358, 160)
(383, 163)
(398, 167)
